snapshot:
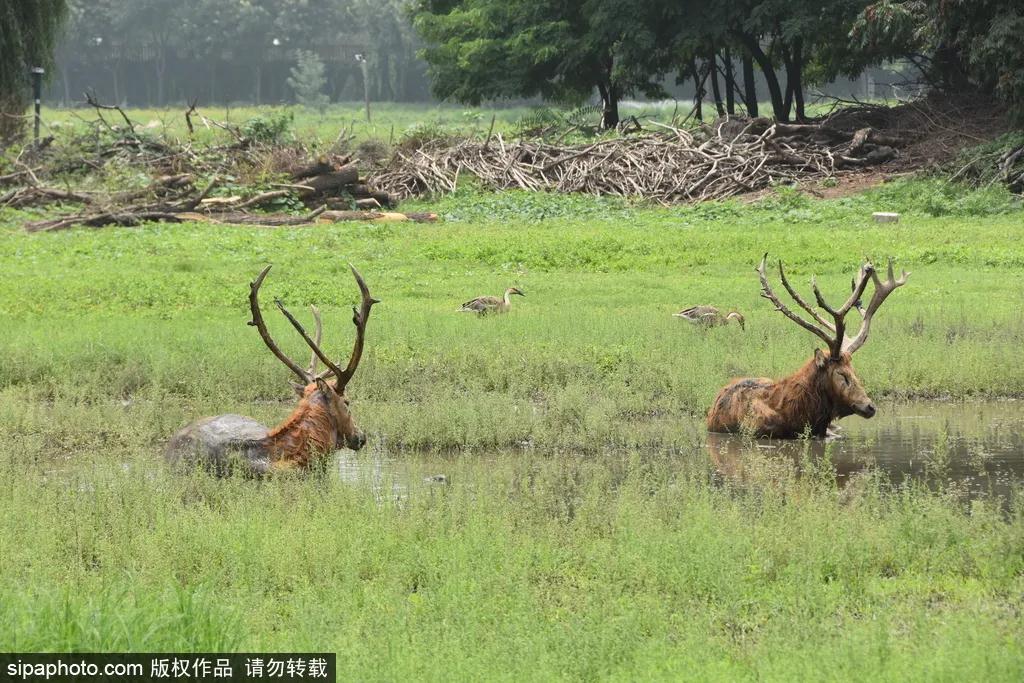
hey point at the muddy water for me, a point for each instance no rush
(976, 446)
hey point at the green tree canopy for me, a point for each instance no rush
(560, 50)
(957, 44)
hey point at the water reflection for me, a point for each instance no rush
(976, 446)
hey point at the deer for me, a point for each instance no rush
(321, 422)
(825, 388)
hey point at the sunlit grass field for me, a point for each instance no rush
(582, 534)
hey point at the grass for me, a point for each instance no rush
(583, 534)
(390, 121)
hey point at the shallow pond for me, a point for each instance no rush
(976, 446)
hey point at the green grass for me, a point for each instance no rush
(389, 121)
(583, 534)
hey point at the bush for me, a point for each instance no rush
(268, 129)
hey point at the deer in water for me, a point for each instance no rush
(826, 388)
(321, 423)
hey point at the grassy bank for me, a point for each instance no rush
(602, 546)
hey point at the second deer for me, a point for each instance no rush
(826, 387)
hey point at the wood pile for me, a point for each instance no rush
(186, 182)
(730, 157)
(325, 189)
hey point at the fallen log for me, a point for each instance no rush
(318, 167)
(376, 217)
(330, 182)
(135, 218)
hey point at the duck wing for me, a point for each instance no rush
(697, 313)
(481, 303)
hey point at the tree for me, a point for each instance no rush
(28, 35)
(956, 44)
(560, 50)
(307, 81)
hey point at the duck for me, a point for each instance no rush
(709, 316)
(482, 305)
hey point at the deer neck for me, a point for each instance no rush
(802, 400)
(309, 432)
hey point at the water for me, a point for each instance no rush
(976, 446)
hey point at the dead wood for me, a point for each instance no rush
(330, 182)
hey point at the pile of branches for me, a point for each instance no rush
(669, 165)
(182, 178)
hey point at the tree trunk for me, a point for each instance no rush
(754, 48)
(698, 91)
(715, 90)
(787, 100)
(730, 84)
(161, 68)
(749, 85)
(259, 83)
(798, 78)
(609, 105)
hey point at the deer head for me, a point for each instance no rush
(835, 373)
(313, 386)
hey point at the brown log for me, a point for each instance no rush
(368, 192)
(331, 182)
(318, 167)
(375, 217)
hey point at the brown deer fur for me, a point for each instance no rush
(810, 399)
(320, 424)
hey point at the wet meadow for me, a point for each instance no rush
(539, 498)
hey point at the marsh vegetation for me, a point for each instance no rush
(582, 528)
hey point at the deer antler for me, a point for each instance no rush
(317, 337)
(882, 290)
(359, 318)
(259, 324)
(318, 333)
(837, 341)
(767, 293)
(317, 353)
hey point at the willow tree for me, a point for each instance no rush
(28, 35)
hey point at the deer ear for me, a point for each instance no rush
(820, 358)
(323, 386)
